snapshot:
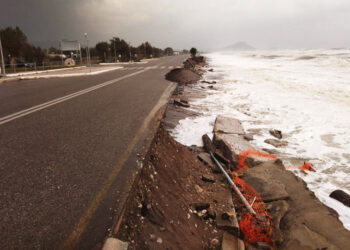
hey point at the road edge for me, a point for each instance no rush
(158, 112)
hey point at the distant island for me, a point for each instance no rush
(239, 46)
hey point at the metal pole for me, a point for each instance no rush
(235, 188)
(87, 51)
(3, 72)
(115, 52)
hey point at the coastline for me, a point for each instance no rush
(300, 220)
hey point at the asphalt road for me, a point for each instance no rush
(68, 152)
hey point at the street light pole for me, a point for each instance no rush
(88, 62)
(3, 72)
(129, 53)
(115, 52)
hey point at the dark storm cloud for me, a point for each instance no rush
(183, 23)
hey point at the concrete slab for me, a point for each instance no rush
(235, 144)
(228, 125)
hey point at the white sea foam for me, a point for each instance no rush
(306, 94)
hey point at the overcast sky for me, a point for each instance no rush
(180, 24)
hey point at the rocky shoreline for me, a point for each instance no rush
(182, 201)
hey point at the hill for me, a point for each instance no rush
(238, 46)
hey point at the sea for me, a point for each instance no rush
(303, 93)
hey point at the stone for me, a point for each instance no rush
(184, 101)
(221, 158)
(248, 137)
(214, 244)
(268, 190)
(228, 125)
(208, 144)
(304, 209)
(115, 244)
(276, 143)
(208, 178)
(235, 144)
(229, 242)
(206, 159)
(180, 103)
(228, 223)
(276, 133)
(341, 196)
(308, 239)
(277, 209)
(152, 237)
(210, 214)
(201, 206)
(198, 189)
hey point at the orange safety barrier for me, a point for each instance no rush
(306, 166)
(244, 154)
(258, 227)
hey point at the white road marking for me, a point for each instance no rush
(45, 105)
(163, 67)
(170, 67)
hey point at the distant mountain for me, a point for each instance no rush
(238, 46)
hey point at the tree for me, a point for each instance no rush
(193, 52)
(101, 50)
(13, 40)
(168, 51)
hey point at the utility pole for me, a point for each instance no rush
(2, 60)
(88, 62)
(115, 52)
(129, 53)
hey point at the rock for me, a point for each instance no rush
(235, 144)
(159, 240)
(208, 144)
(276, 143)
(276, 133)
(221, 158)
(341, 196)
(115, 244)
(277, 209)
(180, 103)
(201, 206)
(206, 159)
(152, 237)
(214, 244)
(184, 101)
(208, 178)
(213, 82)
(210, 70)
(210, 214)
(198, 189)
(229, 222)
(268, 191)
(229, 242)
(248, 137)
(228, 125)
(263, 246)
(308, 239)
(304, 209)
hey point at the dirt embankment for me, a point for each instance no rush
(176, 201)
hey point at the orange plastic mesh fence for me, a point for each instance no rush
(255, 228)
(244, 154)
(306, 166)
